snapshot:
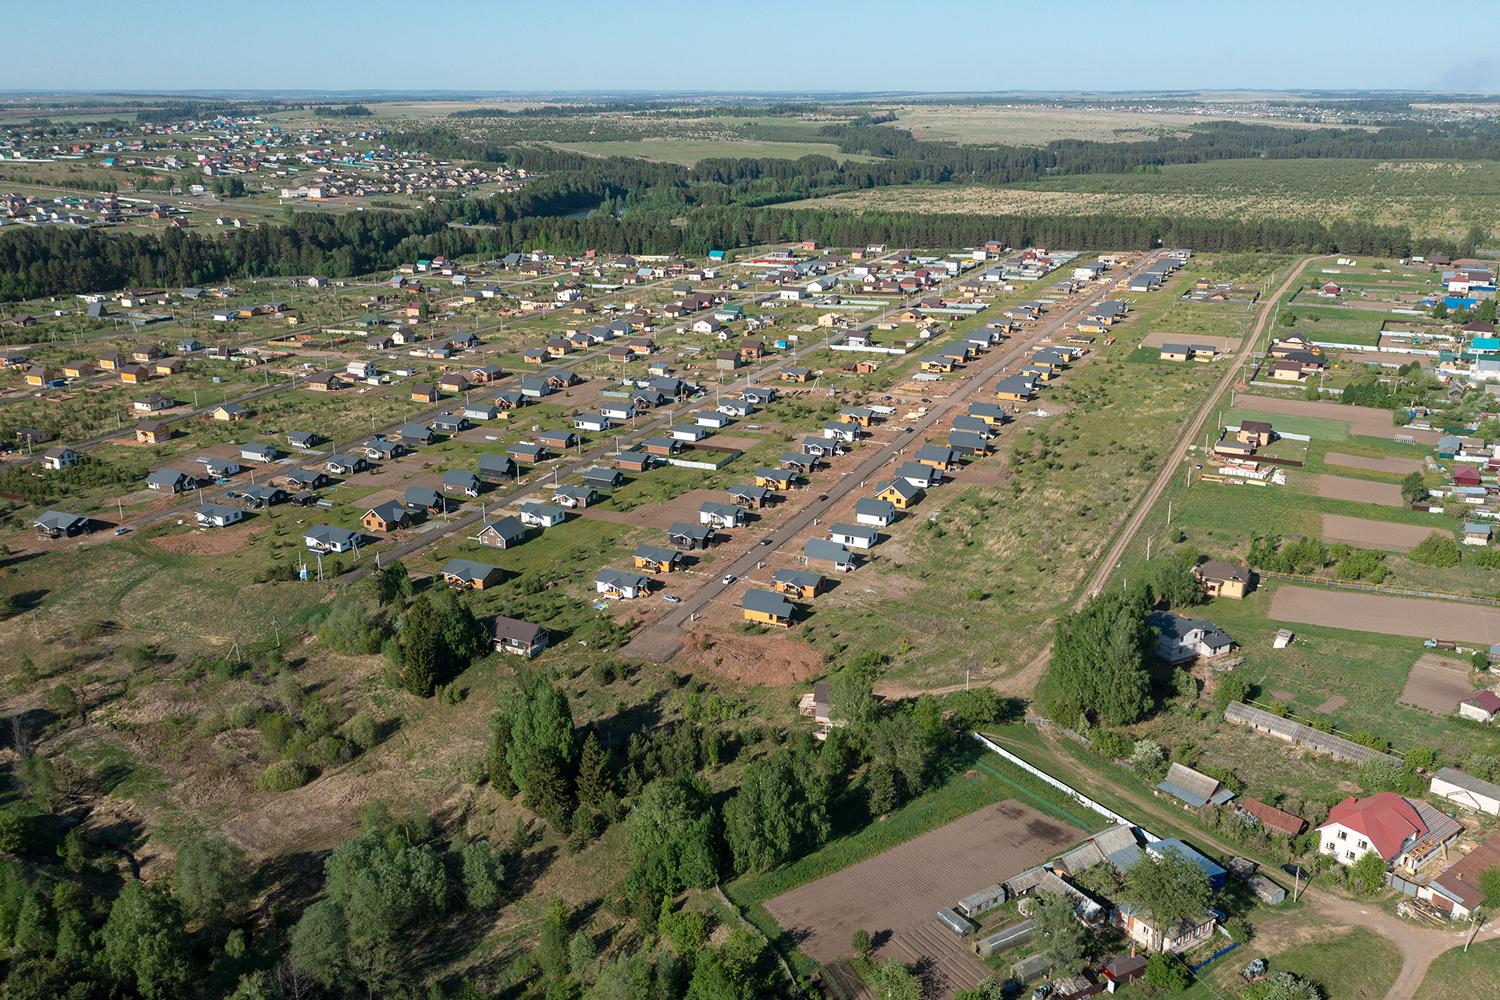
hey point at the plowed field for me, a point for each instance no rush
(896, 894)
(1413, 616)
(1374, 534)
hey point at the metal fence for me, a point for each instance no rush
(1375, 588)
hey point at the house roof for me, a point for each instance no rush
(697, 531)
(416, 430)
(327, 533)
(821, 548)
(1210, 869)
(1194, 787)
(796, 578)
(875, 507)
(622, 579)
(459, 477)
(515, 628)
(1276, 819)
(1487, 701)
(60, 520)
(466, 569)
(166, 476)
(900, 486)
(656, 553)
(1461, 882)
(768, 603)
(214, 510)
(855, 531)
(542, 510)
(424, 495)
(506, 527)
(391, 510)
(1386, 819)
(1176, 628)
(1219, 571)
(1468, 782)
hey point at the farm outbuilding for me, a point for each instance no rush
(1304, 736)
(1003, 940)
(1466, 791)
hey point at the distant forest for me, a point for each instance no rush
(722, 204)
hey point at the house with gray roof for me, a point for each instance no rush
(721, 515)
(461, 481)
(212, 515)
(854, 536)
(495, 467)
(541, 515)
(170, 481)
(874, 512)
(61, 524)
(822, 551)
(618, 584)
(1194, 787)
(512, 635)
(255, 452)
(691, 536)
(424, 498)
(327, 538)
(502, 534)
(467, 574)
(767, 608)
(1181, 639)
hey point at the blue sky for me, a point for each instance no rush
(765, 45)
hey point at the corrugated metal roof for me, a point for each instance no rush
(1295, 732)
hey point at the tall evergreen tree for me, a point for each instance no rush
(499, 763)
(419, 638)
(594, 777)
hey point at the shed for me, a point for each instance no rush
(1466, 791)
(1194, 787)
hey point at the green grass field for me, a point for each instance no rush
(1317, 428)
(690, 151)
(1355, 965)
(1433, 198)
(1458, 973)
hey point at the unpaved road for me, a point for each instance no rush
(1173, 466)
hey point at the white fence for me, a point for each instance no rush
(1104, 811)
(868, 350)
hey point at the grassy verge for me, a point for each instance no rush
(1462, 974)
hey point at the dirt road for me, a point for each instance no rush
(660, 640)
(1173, 466)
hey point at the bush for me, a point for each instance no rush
(349, 629)
(860, 942)
(282, 776)
(361, 731)
(1436, 550)
(1230, 687)
(1413, 488)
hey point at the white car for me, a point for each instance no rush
(728, 579)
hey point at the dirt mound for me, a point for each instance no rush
(207, 541)
(753, 659)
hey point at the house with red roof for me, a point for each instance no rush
(1482, 706)
(1467, 475)
(1400, 830)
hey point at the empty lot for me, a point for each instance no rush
(1224, 345)
(896, 894)
(1375, 534)
(1399, 466)
(1437, 684)
(1343, 488)
(1413, 616)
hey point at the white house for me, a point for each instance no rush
(540, 515)
(212, 515)
(59, 458)
(688, 432)
(591, 422)
(875, 512)
(854, 536)
(721, 515)
(712, 418)
(1396, 828)
(617, 584)
(836, 431)
(621, 410)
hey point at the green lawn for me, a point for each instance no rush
(1317, 428)
(1357, 965)
(1462, 974)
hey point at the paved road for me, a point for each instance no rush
(1172, 468)
(660, 640)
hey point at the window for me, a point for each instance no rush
(1332, 846)
(1363, 844)
(1349, 855)
(1343, 834)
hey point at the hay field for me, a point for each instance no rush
(1035, 125)
(1432, 197)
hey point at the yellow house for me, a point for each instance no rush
(134, 374)
(767, 608)
(169, 366)
(1092, 326)
(774, 479)
(901, 494)
(1224, 579)
(798, 583)
(937, 364)
(1175, 352)
(655, 559)
(77, 369)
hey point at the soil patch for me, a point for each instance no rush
(1333, 704)
(1436, 662)
(1374, 534)
(1341, 488)
(207, 541)
(1411, 616)
(1399, 466)
(1282, 696)
(1437, 689)
(754, 659)
(896, 894)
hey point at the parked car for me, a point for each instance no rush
(765, 541)
(728, 579)
(822, 496)
(121, 531)
(671, 598)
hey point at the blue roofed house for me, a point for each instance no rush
(1213, 871)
